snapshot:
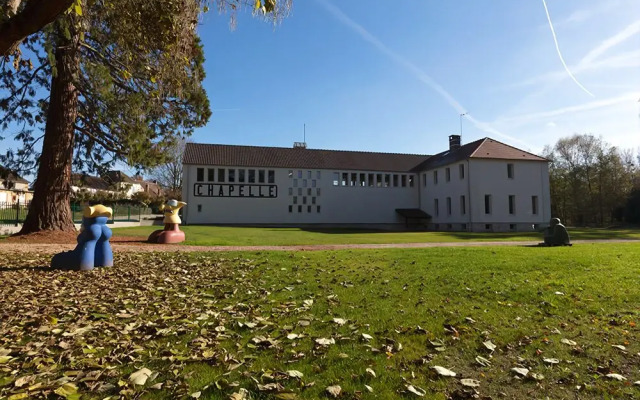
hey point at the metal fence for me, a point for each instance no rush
(16, 213)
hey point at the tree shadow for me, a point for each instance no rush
(26, 267)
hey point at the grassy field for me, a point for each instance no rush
(289, 325)
(241, 236)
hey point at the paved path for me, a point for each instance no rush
(143, 247)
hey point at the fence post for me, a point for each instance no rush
(18, 211)
(129, 213)
(140, 213)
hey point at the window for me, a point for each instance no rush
(221, 174)
(463, 227)
(290, 191)
(512, 227)
(290, 209)
(290, 173)
(313, 183)
(387, 180)
(345, 179)
(447, 174)
(488, 227)
(211, 174)
(487, 204)
(313, 200)
(252, 176)
(261, 176)
(395, 180)
(410, 180)
(512, 204)
(448, 205)
(534, 205)
(461, 170)
(403, 180)
(436, 207)
(463, 205)
(299, 174)
(200, 175)
(304, 183)
(308, 191)
(308, 174)
(363, 180)
(371, 183)
(299, 209)
(199, 207)
(232, 175)
(318, 175)
(295, 199)
(379, 180)
(309, 209)
(510, 171)
(354, 179)
(318, 208)
(272, 176)
(336, 179)
(304, 200)
(318, 192)
(435, 177)
(241, 173)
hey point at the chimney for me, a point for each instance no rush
(454, 142)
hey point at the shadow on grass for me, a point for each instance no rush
(25, 267)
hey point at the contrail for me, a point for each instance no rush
(564, 64)
(411, 67)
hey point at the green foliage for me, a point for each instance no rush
(292, 324)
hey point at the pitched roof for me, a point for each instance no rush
(483, 148)
(7, 174)
(88, 181)
(117, 177)
(281, 157)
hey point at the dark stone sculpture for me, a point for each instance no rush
(556, 234)
(171, 232)
(93, 249)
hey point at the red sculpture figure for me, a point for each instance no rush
(171, 232)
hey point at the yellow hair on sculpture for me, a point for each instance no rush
(97, 211)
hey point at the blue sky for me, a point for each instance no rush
(395, 76)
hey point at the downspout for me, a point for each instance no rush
(470, 229)
(185, 193)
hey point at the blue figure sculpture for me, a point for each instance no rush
(93, 249)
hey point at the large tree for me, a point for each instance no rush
(107, 81)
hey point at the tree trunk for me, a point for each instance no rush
(50, 209)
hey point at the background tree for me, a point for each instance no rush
(107, 81)
(169, 174)
(590, 180)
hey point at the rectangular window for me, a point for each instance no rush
(290, 191)
(252, 176)
(232, 175)
(435, 177)
(463, 205)
(488, 227)
(410, 180)
(447, 174)
(313, 200)
(461, 170)
(308, 174)
(387, 180)
(463, 226)
(199, 207)
(241, 173)
(309, 192)
(304, 200)
(290, 209)
(436, 207)
(290, 173)
(299, 174)
(510, 171)
(345, 179)
(318, 192)
(378, 180)
(272, 176)
(309, 209)
(512, 204)
(363, 180)
(304, 183)
(448, 205)
(318, 175)
(487, 204)
(512, 227)
(318, 209)
(295, 199)
(211, 174)
(371, 180)
(395, 180)
(261, 176)
(354, 179)
(534, 205)
(200, 175)
(313, 183)
(299, 209)
(221, 175)
(336, 179)
(403, 180)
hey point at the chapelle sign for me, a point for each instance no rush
(217, 190)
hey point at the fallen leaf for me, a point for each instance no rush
(483, 361)
(489, 345)
(369, 388)
(470, 382)
(443, 371)
(551, 360)
(295, 374)
(520, 371)
(371, 372)
(569, 342)
(140, 376)
(241, 394)
(334, 390)
(367, 337)
(619, 346)
(340, 321)
(325, 342)
(416, 390)
(617, 377)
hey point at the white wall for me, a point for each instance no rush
(338, 204)
(454, 188)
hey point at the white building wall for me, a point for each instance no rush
(490, 177)
(456, 186)
(341, 204)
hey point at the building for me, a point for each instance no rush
(484, 185)
(13, 188)
(113, 184)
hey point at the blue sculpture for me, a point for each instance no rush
(93, 249)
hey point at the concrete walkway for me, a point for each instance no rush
(143, 247)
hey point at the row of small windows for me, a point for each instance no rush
(300, 174)
(372, 180)
(309, 191)
(487, 205)
(300, 209)
(461, 174)
(228, 175)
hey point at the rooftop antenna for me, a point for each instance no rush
(302, 145)
(304, 137)
(462, 115)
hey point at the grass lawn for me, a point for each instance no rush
(241, 236)
(288, 325)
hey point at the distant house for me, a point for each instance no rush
(114, 183)
(152, 187)
(89, 184)
(13, 188)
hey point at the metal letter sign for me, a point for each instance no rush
(250, 191)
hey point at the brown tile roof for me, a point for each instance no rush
(482, 148)
(88, 181)
(282, 157)
(6, 174)
(117, 177)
